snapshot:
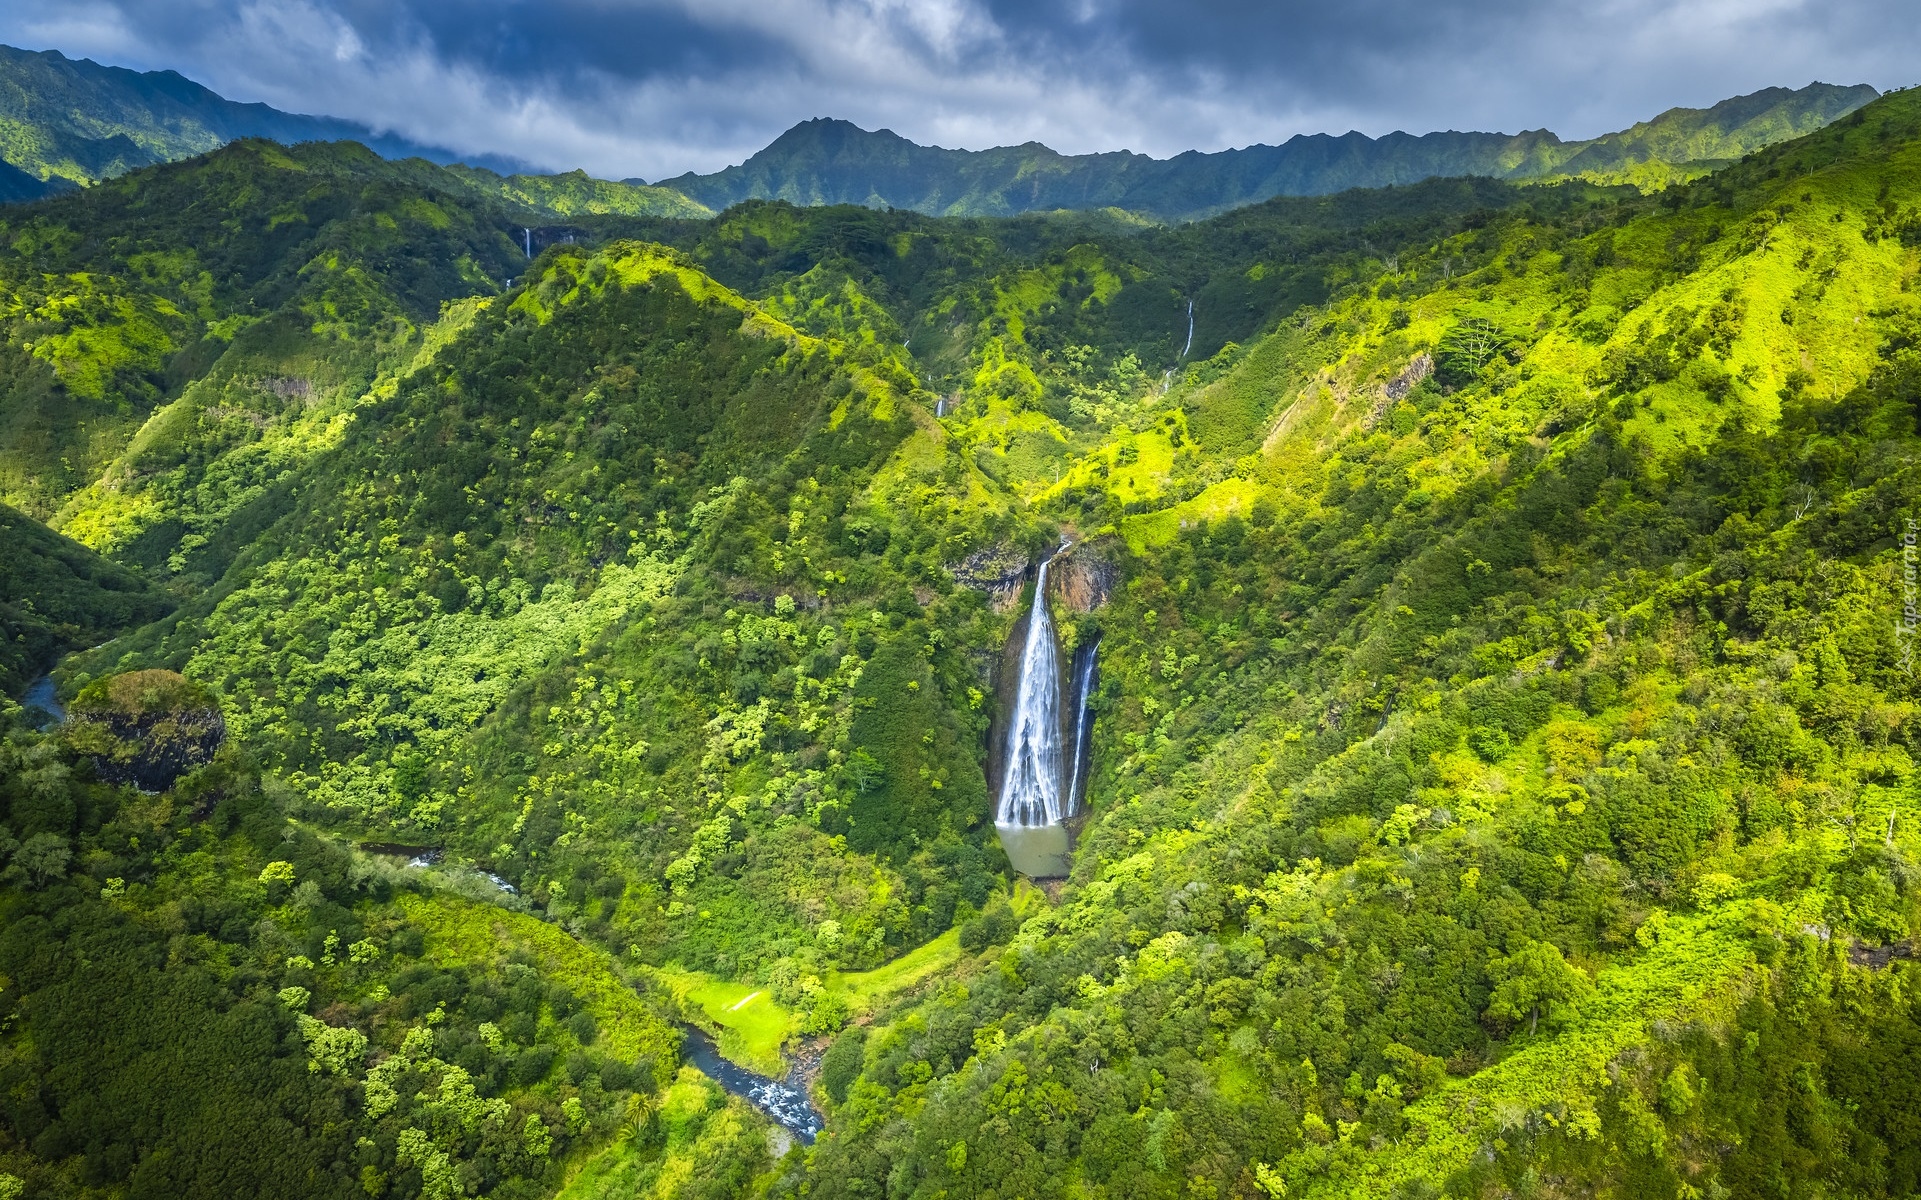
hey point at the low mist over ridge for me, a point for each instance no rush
(72, 121)
(65, 122)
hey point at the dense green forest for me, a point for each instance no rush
(57, 596)
(1503, 753)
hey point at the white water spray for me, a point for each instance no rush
(1190, 331)
(1031, 787)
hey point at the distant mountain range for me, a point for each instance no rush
(834, 162)
(70, 121)
(67, 122)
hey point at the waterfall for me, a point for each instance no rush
(1190, 331)
(1031, 786)
(1083, 723)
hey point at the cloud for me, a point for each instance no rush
(657, 87)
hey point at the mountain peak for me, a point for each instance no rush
(92, 122)
(830, 131)
(828, 160)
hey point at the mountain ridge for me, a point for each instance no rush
(82, 121)
(826, 160)
(70, 122)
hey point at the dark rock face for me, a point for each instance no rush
(1083, 579)
(997, 571)
(146, 728)
(1878, 957)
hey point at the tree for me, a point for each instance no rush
(1468, 347)
(865, 772)
(40, 860)
(840, 1066)
(1536, 979)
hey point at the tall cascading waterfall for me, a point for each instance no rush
(1031, 784)
(1043, 771)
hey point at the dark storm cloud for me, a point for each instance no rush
(654, 87)
(1581, 67)
(563, 40)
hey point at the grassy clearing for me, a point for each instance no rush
(753, 1026)
(865, 990)
(1229, 497)
(618, 1170)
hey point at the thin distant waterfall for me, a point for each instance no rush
(1083, 723)
(1031, 786)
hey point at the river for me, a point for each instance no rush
(41, 695)
(783, 1100)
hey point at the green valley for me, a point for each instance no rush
(482, 665)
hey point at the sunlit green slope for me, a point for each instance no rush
(235, 308)
(1500, 765)
(576, 193)
(284, 280)
(1503, 758)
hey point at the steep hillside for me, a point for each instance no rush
(1686, 140)
(277, 285)
(578, 194)
(1504, 740)
(1068, 286)
(65, 122)
(56, 596)
(833, 162)
(75, 120)
(17, 186)
(1501, 770)
(229, 1005)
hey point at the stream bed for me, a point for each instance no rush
(40, 695)
(783, 1100)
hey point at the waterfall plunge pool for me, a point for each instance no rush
(1049, 736)
(1037, 851)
